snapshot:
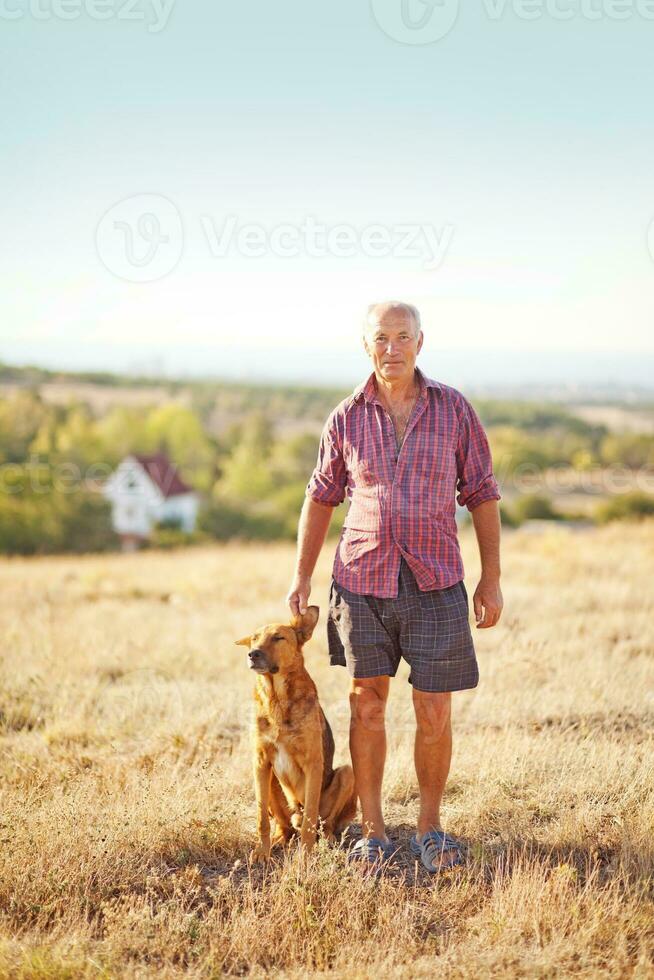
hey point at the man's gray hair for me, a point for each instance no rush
(393, 305)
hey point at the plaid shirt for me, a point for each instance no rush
(402, 503)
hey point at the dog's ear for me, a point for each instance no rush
(305, 625)
(244, 642)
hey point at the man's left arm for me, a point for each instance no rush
(488, 595)
(477, 490)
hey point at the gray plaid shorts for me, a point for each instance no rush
(369, 635)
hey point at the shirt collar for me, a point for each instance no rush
(368, 388)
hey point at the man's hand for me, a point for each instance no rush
(488, 596)
(311, 534)
(298, 596)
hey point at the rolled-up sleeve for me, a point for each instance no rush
(329, 478)
(475, 480)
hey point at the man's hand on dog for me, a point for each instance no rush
(487, 602)
(298, 596)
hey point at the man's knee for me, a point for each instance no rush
(368, 698)
(433, 712)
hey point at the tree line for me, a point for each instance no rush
(251, 471)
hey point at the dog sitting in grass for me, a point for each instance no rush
(295, 781)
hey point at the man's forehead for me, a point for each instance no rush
(388, 319)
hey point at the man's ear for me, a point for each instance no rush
(305, 625)
(244, 642)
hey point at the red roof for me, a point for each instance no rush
(163, 474)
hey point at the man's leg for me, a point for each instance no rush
(432, 754)
(368, 698)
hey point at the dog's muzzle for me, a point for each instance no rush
(258, 662)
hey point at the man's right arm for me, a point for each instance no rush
(312, 531)
(325, 491)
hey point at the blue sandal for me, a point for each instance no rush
(373, 852)
(431, 848)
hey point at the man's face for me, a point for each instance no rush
(393, 345)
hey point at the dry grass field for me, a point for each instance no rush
(127, 800)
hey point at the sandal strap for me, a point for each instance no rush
(371, 846)
(442, 840)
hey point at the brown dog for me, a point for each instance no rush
(295, 781)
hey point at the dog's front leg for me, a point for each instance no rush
(262, 774)
(312, 786)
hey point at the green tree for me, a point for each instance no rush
(122, 431)
(21, 416)
(632, 449)
(177, 431)
(634, 505)
(534, 506)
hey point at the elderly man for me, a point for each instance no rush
(402, 447)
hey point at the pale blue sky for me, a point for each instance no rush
(527, 146)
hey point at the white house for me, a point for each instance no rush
(147, 489)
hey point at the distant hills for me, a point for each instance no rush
(597, 378)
